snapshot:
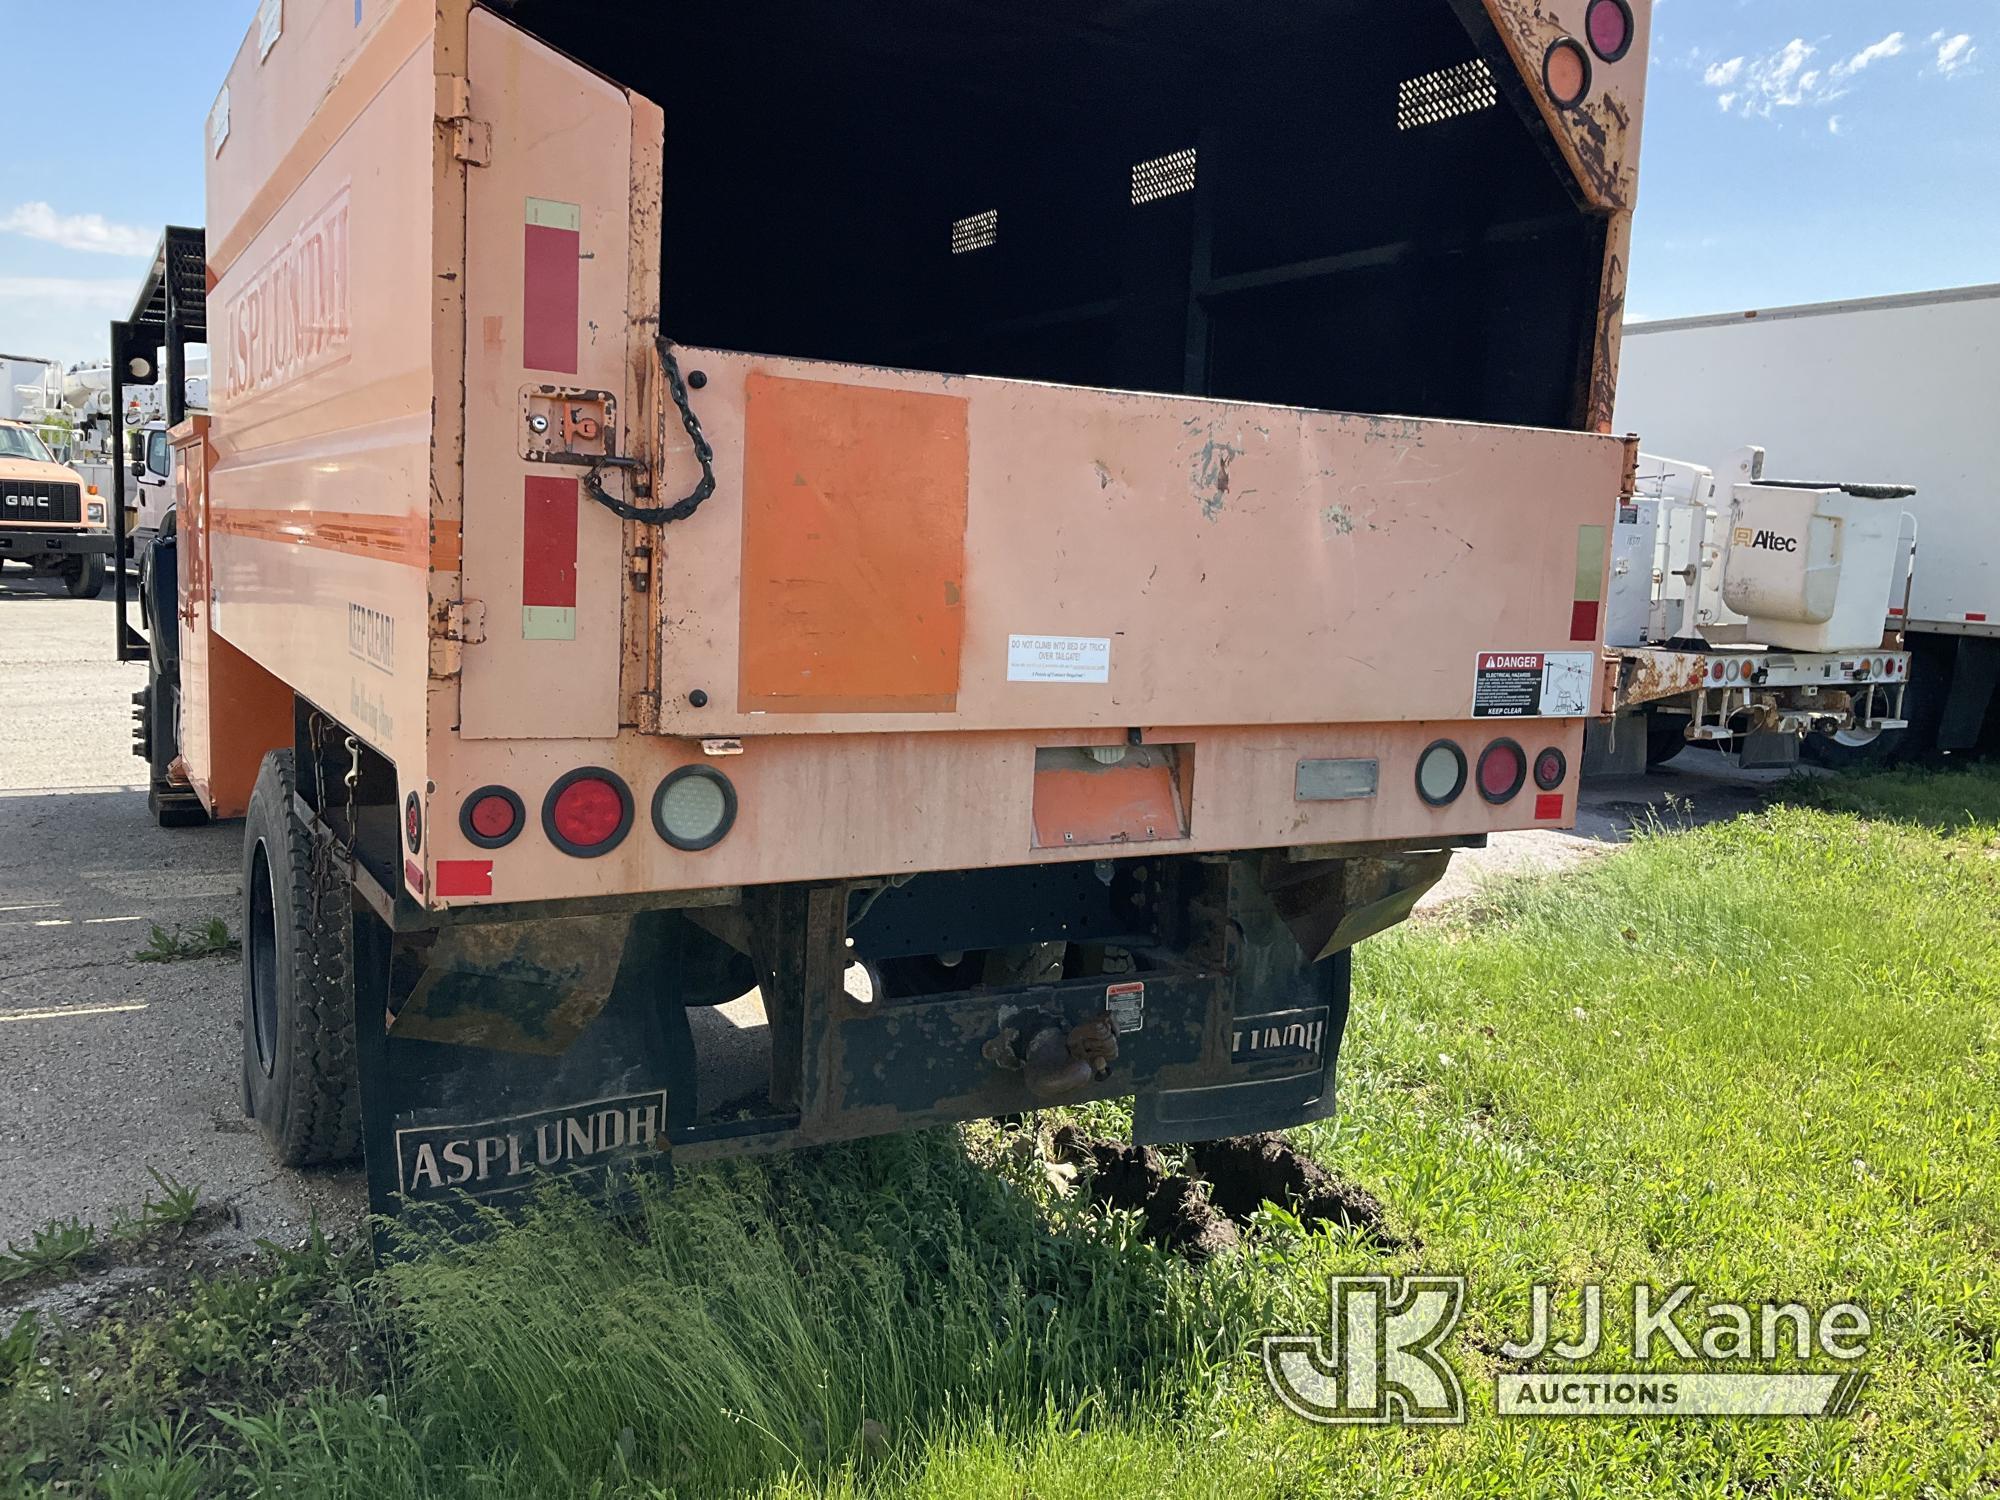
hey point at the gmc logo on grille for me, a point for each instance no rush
(27, 502)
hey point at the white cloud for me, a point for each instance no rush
(1954, 52)
(1833, 124)
(88, 232)
(1890, 46)
(70, 291)
(63, 317)
(1792, 77)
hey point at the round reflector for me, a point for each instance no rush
(491, 817)
(1608, 24)
(1715, 670)
(1441, 773)
(1503, 766)
(694, 807)
(1566, 72)
(587, 812)
(413, 823)
(1550, 768)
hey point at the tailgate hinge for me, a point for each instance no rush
(471, 140)
(455, 624)
(1629, 484)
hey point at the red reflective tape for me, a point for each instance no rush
(1895, 609)
(465, 877)
(1978, 619)
(1548, 809)
(414, 874)
(549, 297)
(1583, 620)
(548, 542)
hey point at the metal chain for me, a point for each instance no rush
(352, 778)
(687, 505)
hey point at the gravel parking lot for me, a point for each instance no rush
(110, 1067)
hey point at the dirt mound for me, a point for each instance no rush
(1200, 1213)
(1174, 1208)
(1248, 1171)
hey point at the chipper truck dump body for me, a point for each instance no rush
(1017, 532)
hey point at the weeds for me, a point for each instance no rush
(210, 940)
(50, 1250)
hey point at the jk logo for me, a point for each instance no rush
(1381, 1361)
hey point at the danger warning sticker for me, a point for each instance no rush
(1532, 685)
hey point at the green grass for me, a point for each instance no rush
(1763, 1057)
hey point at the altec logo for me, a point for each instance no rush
(1765, 541)
(292, 317)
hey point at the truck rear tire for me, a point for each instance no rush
(299, 1077)
(83, 575)
(1923, 708)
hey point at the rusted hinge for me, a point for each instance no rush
(1630, 483)
(455, 624)
(471, 140)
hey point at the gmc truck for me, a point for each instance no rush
(1016, 535)
(46, 520)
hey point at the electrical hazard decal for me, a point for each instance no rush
(1533, 685)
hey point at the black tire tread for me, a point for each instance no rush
(320, 1120)
(84, 577)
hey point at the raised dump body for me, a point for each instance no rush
(1006, 527)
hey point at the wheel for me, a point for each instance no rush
(1923, 710)
(1666, 737)
(1852, 749)
(299, 1079)
(83, 575)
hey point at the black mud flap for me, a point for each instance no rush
(1281, 1063)
(493, 1061)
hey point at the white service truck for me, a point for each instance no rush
(1748, 613)
(1899, 388)
(139, 432)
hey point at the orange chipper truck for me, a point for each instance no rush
(887, 507)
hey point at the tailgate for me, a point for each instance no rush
(895, 550)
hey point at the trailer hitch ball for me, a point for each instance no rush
(1054, 1061)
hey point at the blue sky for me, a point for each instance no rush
(1796, 150)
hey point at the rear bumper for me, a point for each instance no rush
(1732, 689)
(24, 541)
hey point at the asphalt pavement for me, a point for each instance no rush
(111, 1068)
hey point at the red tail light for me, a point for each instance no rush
(492, 817)
(1608, 24)
(1503, 766)
(1551, 766)
(587, 812)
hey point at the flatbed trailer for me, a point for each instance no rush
(987, 525)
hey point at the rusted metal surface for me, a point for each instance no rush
(1648, 676)
(1600, 136)
(515, 986)
(1335, 904)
